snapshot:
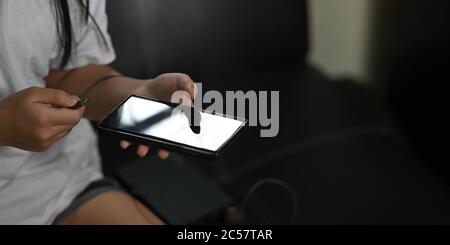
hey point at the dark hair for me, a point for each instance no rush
(64, 26)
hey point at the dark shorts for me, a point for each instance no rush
(92, 190)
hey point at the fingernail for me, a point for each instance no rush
(124, 144)
(73, 99)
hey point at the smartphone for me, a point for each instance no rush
(168, 126)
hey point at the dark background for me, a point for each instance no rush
(348, 154)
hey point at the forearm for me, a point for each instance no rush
(103, 96)
(2, 133)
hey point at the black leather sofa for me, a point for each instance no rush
(336, 148)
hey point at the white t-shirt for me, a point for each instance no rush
(36, 187)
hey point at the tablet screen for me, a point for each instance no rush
(159, 120)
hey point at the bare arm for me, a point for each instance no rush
(104, 96)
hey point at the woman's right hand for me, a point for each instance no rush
(35, 118)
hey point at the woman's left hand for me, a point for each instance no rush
(162, 88)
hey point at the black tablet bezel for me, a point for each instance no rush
(163, 143)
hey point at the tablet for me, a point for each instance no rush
(168, 126)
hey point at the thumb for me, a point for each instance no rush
(54, 97)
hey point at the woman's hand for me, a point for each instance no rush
(162, 88)
(35, 118)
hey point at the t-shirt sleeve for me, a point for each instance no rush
(92, 43)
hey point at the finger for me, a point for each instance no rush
(195, 90)
(62, 116)
(62, 129)
(184, 82)
(58, 136)
(124, 144)
(163, 154)
(56, 97)
(142, 150)
(191, 88)
(181, 97)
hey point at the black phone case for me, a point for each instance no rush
(162, 143)
(199, 198)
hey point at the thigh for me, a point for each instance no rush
(112, 208)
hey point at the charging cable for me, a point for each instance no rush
(277, 182)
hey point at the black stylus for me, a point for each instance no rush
(80, 103)
(194, 120)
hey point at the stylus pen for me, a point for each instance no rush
(80, 103)
(193, 119)
(194, 123)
